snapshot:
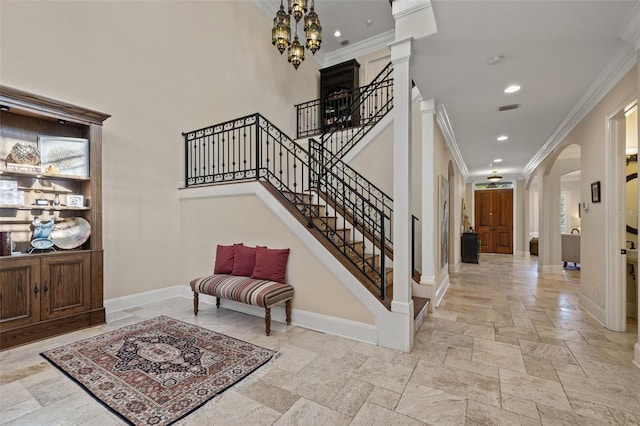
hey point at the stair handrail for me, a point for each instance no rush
(253, 148)
(361, 123)
(356, 180)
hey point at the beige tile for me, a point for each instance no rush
(385, 374)
(517, 332)
(13, 393)
(232, 408)
(551, 416)
(374, 351)
(520, 406)
(549, 352)
(479, 414)
(351, 397)
(468, 365)
(498, 354)
(533, 389)
(305, 412)
(593, 411)
(439, 337)
(462, 383)
(625, 418)
(432, 406)
(293, 359)
(53, 390)
(384, 397)
(269, 395)
(10, 375)
(541, 368)
(321, 379)
(324, 344)
(599, 392)
(375, 415)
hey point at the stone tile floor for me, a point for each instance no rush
(506, 346)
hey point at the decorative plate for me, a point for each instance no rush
(71, 233)
(41, 243)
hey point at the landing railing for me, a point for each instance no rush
(348, 114)
(252, 148)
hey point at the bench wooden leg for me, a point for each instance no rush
(217, 302)
(195, 303)
(267, 320)
(287, 309)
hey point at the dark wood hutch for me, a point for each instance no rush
(47, 293)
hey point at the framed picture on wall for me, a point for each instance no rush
(595, 192)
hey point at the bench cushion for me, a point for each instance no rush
(247, 290)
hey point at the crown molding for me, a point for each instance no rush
(402, 8)
(447, 130)
(618, 66)
(360, 48)
(630, 31)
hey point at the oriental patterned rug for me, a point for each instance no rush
(157, 371)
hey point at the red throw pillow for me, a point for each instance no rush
(271, 264)
(244, 260)
(224, 259)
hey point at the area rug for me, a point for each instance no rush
(157, 371)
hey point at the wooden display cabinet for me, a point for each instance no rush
(46, 293)
(338, 85)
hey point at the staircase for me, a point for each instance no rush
(349, 215)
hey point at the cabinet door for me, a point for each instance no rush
(66, 283)
(20, 292)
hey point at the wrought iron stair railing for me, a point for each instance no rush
(344, 120)
(341, 172)
(252, 148)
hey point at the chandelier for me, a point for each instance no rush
(281, 32)
(494, 177)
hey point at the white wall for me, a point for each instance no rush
(159, 68)
(590, 135)
(225, 220)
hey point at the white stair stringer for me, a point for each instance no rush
(392, 329)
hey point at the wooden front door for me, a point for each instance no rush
(494, 220)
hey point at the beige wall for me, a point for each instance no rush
(245, 219)
(590, 134)
(159, 68)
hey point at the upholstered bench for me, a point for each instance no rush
(247, 290)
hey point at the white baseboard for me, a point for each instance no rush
(146, 297)
(592, 308)
(332, 325)
(441, 290)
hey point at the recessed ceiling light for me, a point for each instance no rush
(512, 89)
(337, 33)
(503, 138)
(498, 160)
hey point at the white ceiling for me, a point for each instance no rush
(555, 50)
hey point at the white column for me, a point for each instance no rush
(549, 257)
(428, 219)
(400, 57)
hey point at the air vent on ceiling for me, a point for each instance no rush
(344, 42)
(508, 107)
